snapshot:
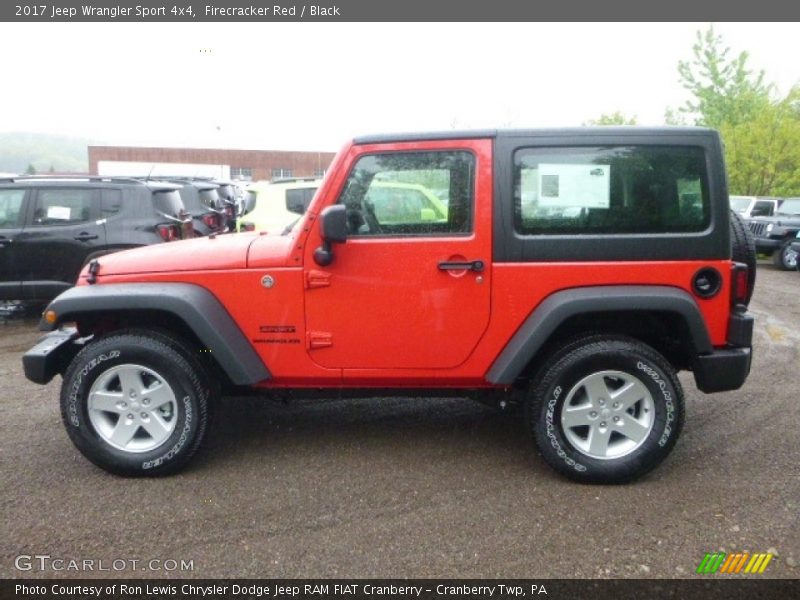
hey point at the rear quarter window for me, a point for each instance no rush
(168, 203)
(610, 190)
(210, 198)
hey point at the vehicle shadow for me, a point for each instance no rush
(414, 427)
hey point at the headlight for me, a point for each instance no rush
(769, 227)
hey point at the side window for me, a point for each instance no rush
(410, 193)
(298, 199)
(10, 207)
(610, 190)
(111, 203)
(62, 206)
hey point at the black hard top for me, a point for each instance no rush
(569, 132)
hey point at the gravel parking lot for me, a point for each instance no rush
(412, 488)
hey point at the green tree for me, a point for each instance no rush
(724, 90)
(615, 118)
(763, 153)
(759, 128)
(31, 170)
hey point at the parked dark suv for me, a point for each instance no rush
(202, 200)
(51, 227)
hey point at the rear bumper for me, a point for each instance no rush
(50, 355)
(727, 368)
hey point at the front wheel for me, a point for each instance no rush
(136, 403)
(785, 257)
(606, 410)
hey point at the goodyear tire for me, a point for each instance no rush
(785, 257)
(605, 409)
(743, 250)
(136, 403)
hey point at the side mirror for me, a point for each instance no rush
(333, 229)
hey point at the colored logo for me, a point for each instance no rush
(738, 562)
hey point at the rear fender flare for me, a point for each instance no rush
(560, 306)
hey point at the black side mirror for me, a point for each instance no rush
(333, 229)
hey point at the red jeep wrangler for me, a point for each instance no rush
(575, 270)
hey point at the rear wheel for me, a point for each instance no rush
(606, 410)
(136, 403)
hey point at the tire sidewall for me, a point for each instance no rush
(105, 354)
(569, 460)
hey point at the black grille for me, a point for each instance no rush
(757, 228)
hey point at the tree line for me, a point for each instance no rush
(760, 128)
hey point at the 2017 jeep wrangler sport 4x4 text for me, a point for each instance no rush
(576, 271)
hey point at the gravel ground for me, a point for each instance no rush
(412, 488)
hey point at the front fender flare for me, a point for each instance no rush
(192, 304)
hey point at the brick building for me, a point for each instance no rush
(251, 165)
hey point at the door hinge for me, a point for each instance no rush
(317, 279)
(319, 339)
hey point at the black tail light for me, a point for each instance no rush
(169, 233)
(739, 284)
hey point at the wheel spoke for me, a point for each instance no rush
(598, 441)
(157, 429)
(629, 394)
(632, 429)
(596, 388)
(131, 380)
(124, 431)
(576, 416)
(107, 401)
(159, 395)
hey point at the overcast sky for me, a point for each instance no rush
(311, 86)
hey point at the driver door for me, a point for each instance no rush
(410, 288)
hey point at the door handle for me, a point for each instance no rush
(470, 265)
(85, 237)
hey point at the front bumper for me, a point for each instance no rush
(50, 356)
(768, 244)
(727, 369)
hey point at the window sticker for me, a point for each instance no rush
(60, 213)
(585, 186)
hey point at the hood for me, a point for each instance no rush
(780, 220)
(199, 254)
(273, 251)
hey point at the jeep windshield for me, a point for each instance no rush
(740, 203)
(789, 208)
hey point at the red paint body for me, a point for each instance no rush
(382, 314)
